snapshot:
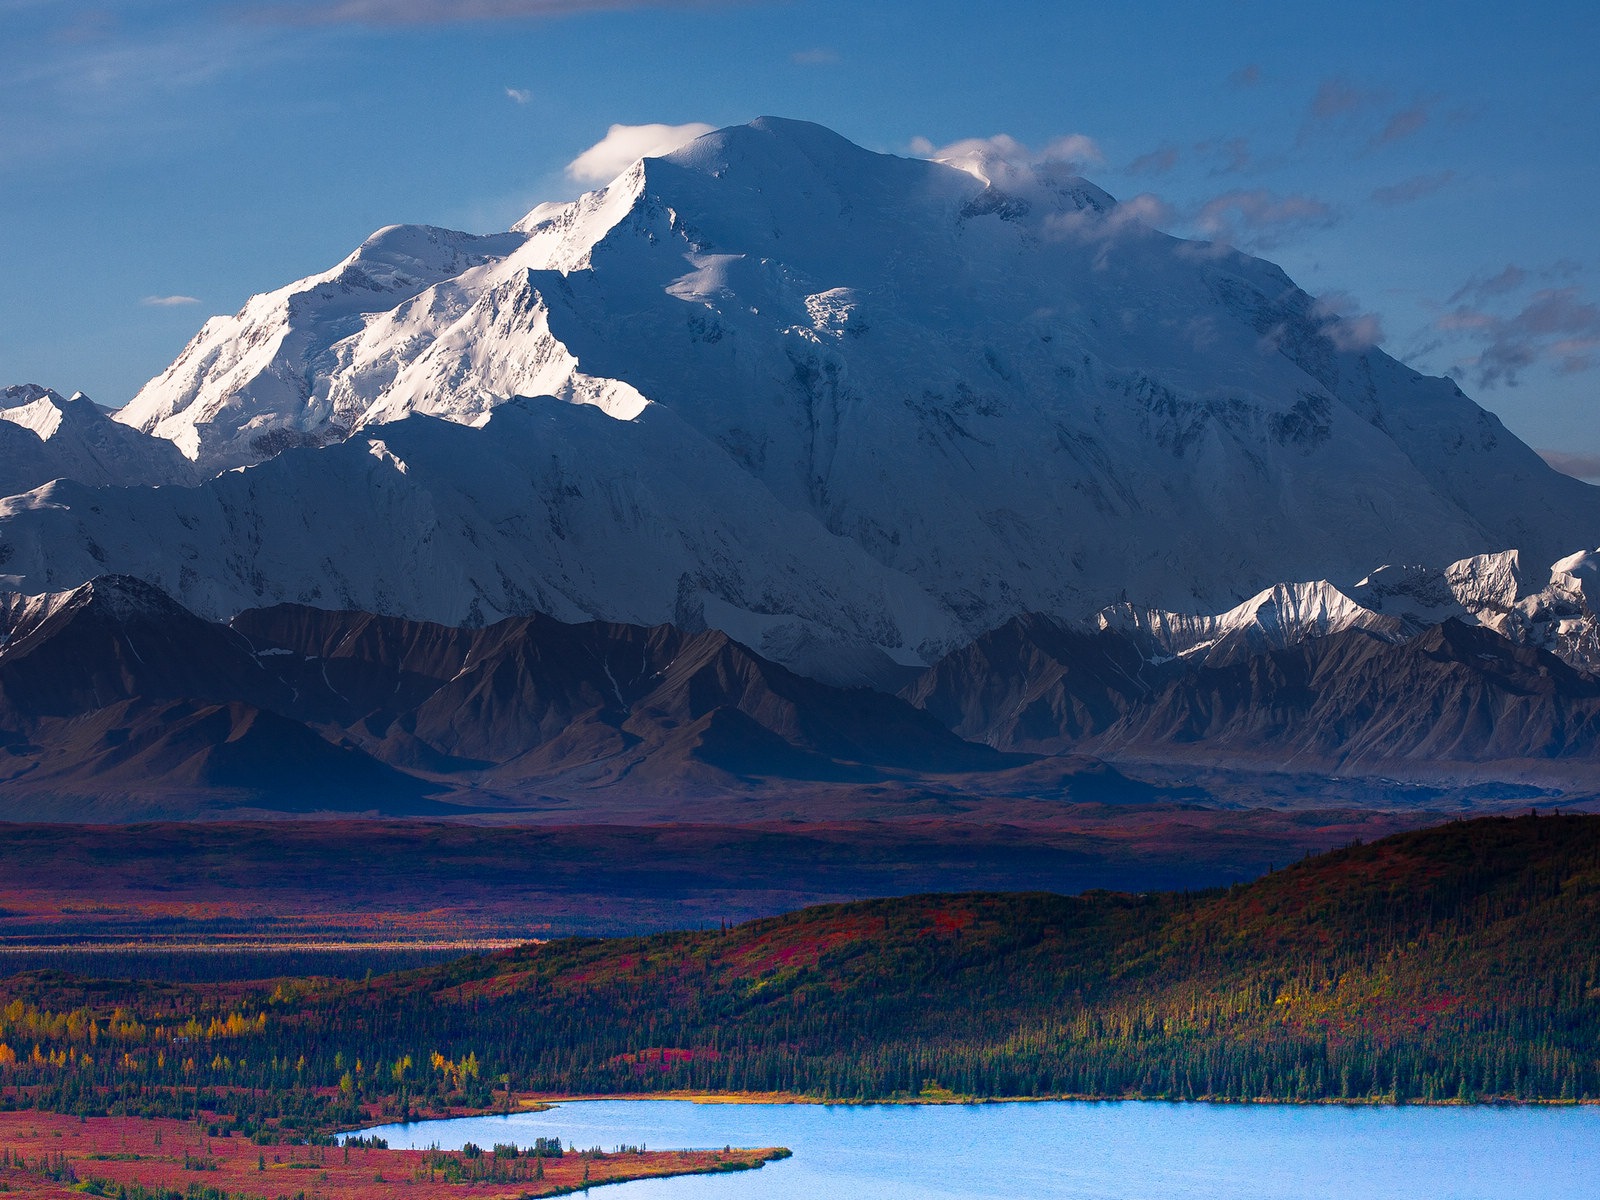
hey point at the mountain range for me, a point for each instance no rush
(118, 703)
(778, 458)
(851, 409)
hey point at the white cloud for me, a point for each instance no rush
(168, 301)
(623, 144)
(996, 159)
(518, 95)
(1135, 215)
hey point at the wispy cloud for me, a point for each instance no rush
(1405, 123)
(817, 56)
(1483, 287)
(1002, 157)
(168, 301)
(623, 144)
(518, 95)
(1579, 466)
(1338, 104)
(1554, 327)
(1158, 162)
(1230, 156)
(1338, 97)
(1408, 191)
(1499, 325)
(1346, 325)
(1259, 218)
(1136, 217)
(87, 58)
(452, 12)
(1342, 107)
(83, 88)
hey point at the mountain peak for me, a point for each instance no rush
(786, 135)
(126, 597)
(842, 405)
(45, 436)
(25, 393)
(117, 599)
(39, 409)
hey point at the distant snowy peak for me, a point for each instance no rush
(45, 436)
(1555, 611)
(1393, 603)
(1282, 615)
(547, 507)
(40, 409)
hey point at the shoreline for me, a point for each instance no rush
(548, 1101)
(544, 1101)
(54, 1156)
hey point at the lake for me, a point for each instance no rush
(1081, 1151)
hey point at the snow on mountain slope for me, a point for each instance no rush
(1282, 615)
(44, 436)
(1392, 603)
(1001, 397)
(252, 384)
(548, 507)
(1552, 610)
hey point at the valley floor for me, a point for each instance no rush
(398, 893)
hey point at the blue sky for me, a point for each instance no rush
(1432, 165)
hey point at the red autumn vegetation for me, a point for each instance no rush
(47, 1156)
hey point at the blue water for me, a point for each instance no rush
(1055, 1151)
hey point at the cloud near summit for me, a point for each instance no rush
(1075, 150)
(623, 144)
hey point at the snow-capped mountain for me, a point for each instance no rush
(1551, 611)
(1452, 703)
(851, 408)
(45, 436)
(1279, 616)
(1554, 610)
(547, 507)
(253, 384)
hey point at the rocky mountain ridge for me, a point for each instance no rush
(118, 703)
(46, 436)
(1551, 611)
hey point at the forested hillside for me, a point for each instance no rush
(1460, 962)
